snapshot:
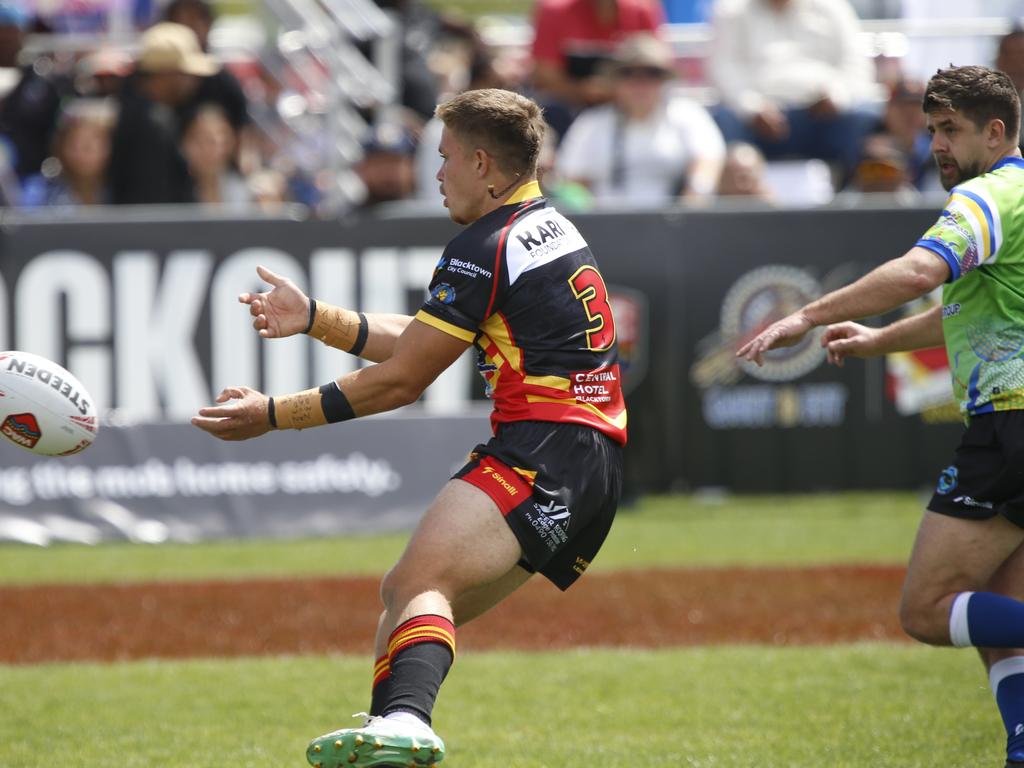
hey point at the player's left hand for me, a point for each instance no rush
(243, 414)
(782, 333)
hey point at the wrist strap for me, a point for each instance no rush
(339, 328)
(271, 414)
(312, 315)
(311, 408)
(361, 335)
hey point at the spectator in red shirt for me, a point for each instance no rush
(572, 39)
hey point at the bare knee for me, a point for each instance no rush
(402, 586)
(926, 621)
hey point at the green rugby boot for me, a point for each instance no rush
(378, 743)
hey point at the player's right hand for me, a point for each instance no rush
(848, 339)
(282, 311)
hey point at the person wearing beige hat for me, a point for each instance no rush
(221, 88)
(147, 165)
(168, 47)
(648, 147)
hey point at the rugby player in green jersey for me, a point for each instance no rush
(965, 581)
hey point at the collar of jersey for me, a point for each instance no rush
(527, 191)
(1017, 161)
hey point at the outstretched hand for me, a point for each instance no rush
(243, 414)
(844, 340)
(782, 333)
(282, 311)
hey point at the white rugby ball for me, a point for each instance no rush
(43, 408)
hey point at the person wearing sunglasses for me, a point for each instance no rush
(650, 146)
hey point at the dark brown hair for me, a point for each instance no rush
(506, 125)
(979, 93)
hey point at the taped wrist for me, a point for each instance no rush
(310, 408)
(337, 327)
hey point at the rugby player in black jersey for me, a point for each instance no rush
(520, 284)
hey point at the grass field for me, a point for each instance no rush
(877, 705)
(846, 707)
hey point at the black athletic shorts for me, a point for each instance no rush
(986, 477)
(557, 485)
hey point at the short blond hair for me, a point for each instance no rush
(506, 125)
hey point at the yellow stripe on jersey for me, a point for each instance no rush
(528, 191)
(619, 422)
(449, 328)
(551, 382)
(496, 330)
(980, 220)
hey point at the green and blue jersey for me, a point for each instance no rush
(980, 235)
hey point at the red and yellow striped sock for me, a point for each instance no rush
(381, 685)
(420, 652)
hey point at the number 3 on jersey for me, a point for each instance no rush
(588, 286)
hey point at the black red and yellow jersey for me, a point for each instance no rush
(522, 285)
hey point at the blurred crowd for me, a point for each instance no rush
(797, 110)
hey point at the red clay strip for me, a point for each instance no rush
(655, 608)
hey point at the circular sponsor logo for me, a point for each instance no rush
(757, 300)
(443, 293)
(947, 480)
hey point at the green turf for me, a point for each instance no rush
(877, 706)
(661, 531)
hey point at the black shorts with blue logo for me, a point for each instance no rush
(557, 486)
(986, 477)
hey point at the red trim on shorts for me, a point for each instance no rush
(506, 487)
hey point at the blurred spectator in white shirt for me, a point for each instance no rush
(649, 146)
(792, 78)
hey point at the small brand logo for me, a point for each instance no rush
(22, 429)
(970, 501)
(500, 480)
(554, 511)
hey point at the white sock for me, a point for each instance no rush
(959, 632)
(406, 717)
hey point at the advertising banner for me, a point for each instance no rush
(145, 314)
(170, 482)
